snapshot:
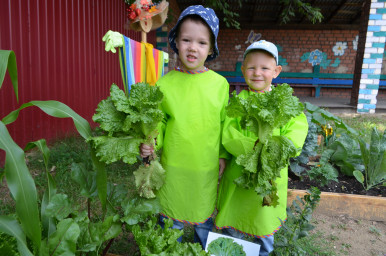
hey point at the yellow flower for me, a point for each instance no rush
(327, 130)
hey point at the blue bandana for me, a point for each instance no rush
(210, 18)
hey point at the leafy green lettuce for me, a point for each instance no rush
(154, 240)
(261, 113)
(225, 246)
(126, 122)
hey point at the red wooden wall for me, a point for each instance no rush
(60, 56)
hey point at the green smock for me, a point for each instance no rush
(242, 209)
(190, 137)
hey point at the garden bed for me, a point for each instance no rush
(346, 197)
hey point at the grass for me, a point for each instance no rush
(364, 123)
(68, 150)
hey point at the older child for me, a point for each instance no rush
(194, 106)
(240, 210)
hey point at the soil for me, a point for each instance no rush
(344, 234)
(346, 184)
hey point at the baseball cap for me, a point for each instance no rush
(208, 16)
(266, 46)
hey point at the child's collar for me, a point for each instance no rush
(191, 72)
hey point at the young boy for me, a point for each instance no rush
(240, 210)
(194, 107)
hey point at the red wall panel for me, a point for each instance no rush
(60, 56)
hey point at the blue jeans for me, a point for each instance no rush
(201, 231)
(266, 244)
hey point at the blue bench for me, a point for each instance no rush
(315, 80)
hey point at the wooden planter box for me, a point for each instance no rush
(356, 206)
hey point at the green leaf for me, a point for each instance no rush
(112, 149)
(21, 186)
(359, 176)
(55, 109)
(109, 118)
(63, 240)
(225, 246)
(59, 207)
(101, 179)
(85, 179)
(94, 234)
(10, 226)
(138, 209)
(42, 146)
(149, 178)
(47, 222)
(8, 61)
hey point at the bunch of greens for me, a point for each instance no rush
(262, 113)
(154, 240)
(225, 246)
(128, 121)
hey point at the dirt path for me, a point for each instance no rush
(352, 237)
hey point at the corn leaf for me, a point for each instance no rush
(10, 226)
(8, 60)
(21, 185)
(47, 222)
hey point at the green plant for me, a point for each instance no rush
(297, 226)
(340, 150)
(323, 174)
(262, 113)
(292, 7)
(375, 231)
(154, 240)
(297, 164)
(374, 159)
(128, 121)
(8, 245)
(314, 244)
(56, 226)
(225, 246)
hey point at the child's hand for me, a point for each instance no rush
(146, 150)
(222, 165)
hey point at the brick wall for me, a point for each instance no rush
(293, 44)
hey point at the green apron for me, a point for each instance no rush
(242, 209)
(190, 137)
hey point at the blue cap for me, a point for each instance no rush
(210, 18)
(265, 46)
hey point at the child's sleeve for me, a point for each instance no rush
(296, 130)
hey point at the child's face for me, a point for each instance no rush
(193, 44)
(259, 68)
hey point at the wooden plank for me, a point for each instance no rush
(356, 206)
